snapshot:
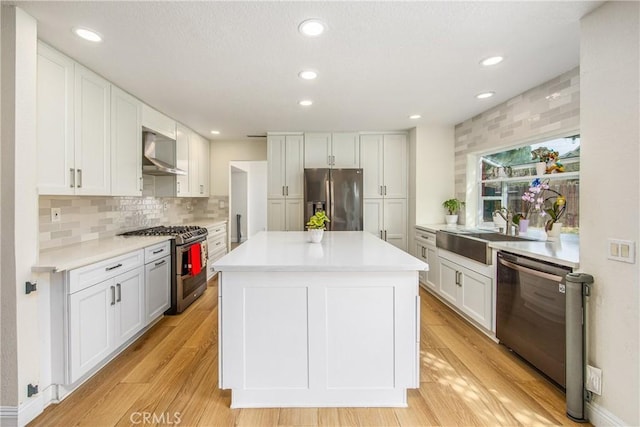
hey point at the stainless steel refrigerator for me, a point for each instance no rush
(338, 192)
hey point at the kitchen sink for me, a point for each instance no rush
(473, 244)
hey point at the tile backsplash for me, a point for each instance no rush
(87, 218)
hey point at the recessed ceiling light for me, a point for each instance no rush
(215, 132)
(307, 74)
(487, 62)
(415, 116)
(305, 102)
(311, 27)
(485, 95)
(87, 34)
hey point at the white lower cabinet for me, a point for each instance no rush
(427, 251)
(102, 317)
(157, 277)
(216, 245)
(467, 290)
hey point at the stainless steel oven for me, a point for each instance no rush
(530, 312)
(189, 285)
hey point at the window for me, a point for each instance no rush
(506, 175)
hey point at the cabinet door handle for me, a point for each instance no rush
(113, 295)
(381, 193)
(178, 187)
(381, 234)
(72, 181)
(287, 190)
(119, 288)
(113, 267)
(201, 189)
(385, 235)
(141, 184)
(79, 178)
(333, 160)
(283, 190)
(160, 262)
(385, 190)
(329, 160)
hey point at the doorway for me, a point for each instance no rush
(247, 199)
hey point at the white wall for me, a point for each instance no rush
(431, 174)
(19, 225)
(222, 152)
(609, 206)
(257, 198)
(238, 203)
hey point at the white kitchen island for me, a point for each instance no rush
(335, 323)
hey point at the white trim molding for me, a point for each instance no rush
(8, 416)
(600, 417)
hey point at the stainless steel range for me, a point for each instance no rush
(189, 262)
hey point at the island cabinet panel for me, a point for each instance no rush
(319, 338)
(276, 352)
(360, 345)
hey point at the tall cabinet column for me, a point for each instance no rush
(285, 159)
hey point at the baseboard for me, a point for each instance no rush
(33, 407)
(8, 416)
(598, 416)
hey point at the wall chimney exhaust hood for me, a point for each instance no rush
(158, 154)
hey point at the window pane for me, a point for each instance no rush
(488, 207)
(492, 189)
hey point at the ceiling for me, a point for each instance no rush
(232, 66)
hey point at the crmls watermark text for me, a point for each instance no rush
(155, 418)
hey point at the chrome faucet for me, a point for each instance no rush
(507, 215)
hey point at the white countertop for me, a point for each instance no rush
(89, 252)
(564, 252)
(207, 222)
(338, 251)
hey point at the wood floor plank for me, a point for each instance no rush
(298, 417)
(113, 407)
(218, 411)
(344, 417)
(258, 417)
(417, 414)
(379, 417)
(443, 401)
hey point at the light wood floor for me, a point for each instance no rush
(466, 379)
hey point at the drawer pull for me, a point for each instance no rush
(161, 262)
(158, 251)
(218, 243)
(113, 268)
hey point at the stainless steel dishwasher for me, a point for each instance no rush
(530, 312)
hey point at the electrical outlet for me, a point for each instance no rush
(56, 214)
(594, 380)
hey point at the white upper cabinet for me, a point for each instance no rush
(92, 134)
(199, 165)
(383, 159)
(204, 167)
(285, 159)
(331, 150)
(126, 144)
(317, 150)
(183, 147)
(156, 121)
(54, 114)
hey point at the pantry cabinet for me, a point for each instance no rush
(332, 150)
(387, 219)
(285, 175)
(384, 161)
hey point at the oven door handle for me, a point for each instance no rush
(536, 273)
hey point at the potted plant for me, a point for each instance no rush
(316, 226)
(546, 160)
(452, 206)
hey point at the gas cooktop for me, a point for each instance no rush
(181, 233)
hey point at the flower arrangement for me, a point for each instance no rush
(317, 221)
(554, 206)
(536, 199)
(532, 199)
